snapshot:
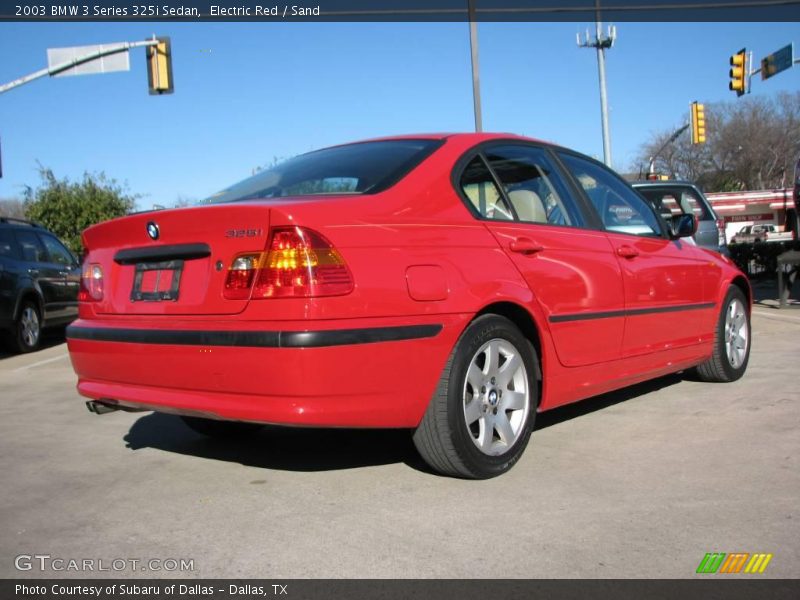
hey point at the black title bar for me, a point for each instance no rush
(399, 10)
(712, 588)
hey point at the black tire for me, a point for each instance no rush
(27, 334)
(727, 364)
(445, 439)
(220, 429)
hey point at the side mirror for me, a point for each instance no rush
(682, 226)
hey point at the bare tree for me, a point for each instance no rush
(751, 144)
(182, 201)
(12, 207)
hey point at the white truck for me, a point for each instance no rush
(761, 233)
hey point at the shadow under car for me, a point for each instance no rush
(304, 449)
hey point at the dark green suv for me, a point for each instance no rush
(39, 281)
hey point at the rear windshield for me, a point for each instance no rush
(675, 200)
(363, 168)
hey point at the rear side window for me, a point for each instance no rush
(620, 208)
(478, 186)
(58, 253)
(30, 247)
(364, 168)
(532, 185)
(8, 246)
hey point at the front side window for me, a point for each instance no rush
(535, 190)
(693, 205)
(8, 247)
(363, 168)
(620, 208)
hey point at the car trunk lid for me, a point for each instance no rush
(175, 262)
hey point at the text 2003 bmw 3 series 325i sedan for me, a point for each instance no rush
(451, 284)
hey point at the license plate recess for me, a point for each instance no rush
(162, 286)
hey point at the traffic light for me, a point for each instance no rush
(698, 113)
(738, 72)
(159, 67)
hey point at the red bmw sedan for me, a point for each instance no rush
(454, 285)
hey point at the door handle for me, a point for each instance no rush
(627, 252)
(33, 272)
(525, 246)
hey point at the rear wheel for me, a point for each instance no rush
(27, 328)
(731, 341)
(481, 417)
(220, 429)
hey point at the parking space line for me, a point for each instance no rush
(41, 362)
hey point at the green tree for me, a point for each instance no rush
(67, 208)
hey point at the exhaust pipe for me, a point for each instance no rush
(99, 407)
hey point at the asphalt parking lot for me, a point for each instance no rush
(636, 484)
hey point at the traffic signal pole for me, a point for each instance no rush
(761, 70)
(61, 67)
(743, 67)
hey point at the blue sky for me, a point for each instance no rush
(248, 92)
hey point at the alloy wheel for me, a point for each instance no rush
(496, 397)
(30, 328)
(736, 334)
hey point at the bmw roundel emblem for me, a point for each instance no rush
(152, 230)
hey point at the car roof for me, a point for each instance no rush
(461, 136)
(15, 222)
(663, 183)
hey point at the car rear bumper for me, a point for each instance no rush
(353, 373)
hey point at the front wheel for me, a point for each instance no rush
(731, 341)
(480, 418)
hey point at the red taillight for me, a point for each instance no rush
(91, 289)
(299, 263)
(240, 276)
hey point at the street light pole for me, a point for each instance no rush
(601, 43)
(672, 138)
(601, 74)
(476, 83)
